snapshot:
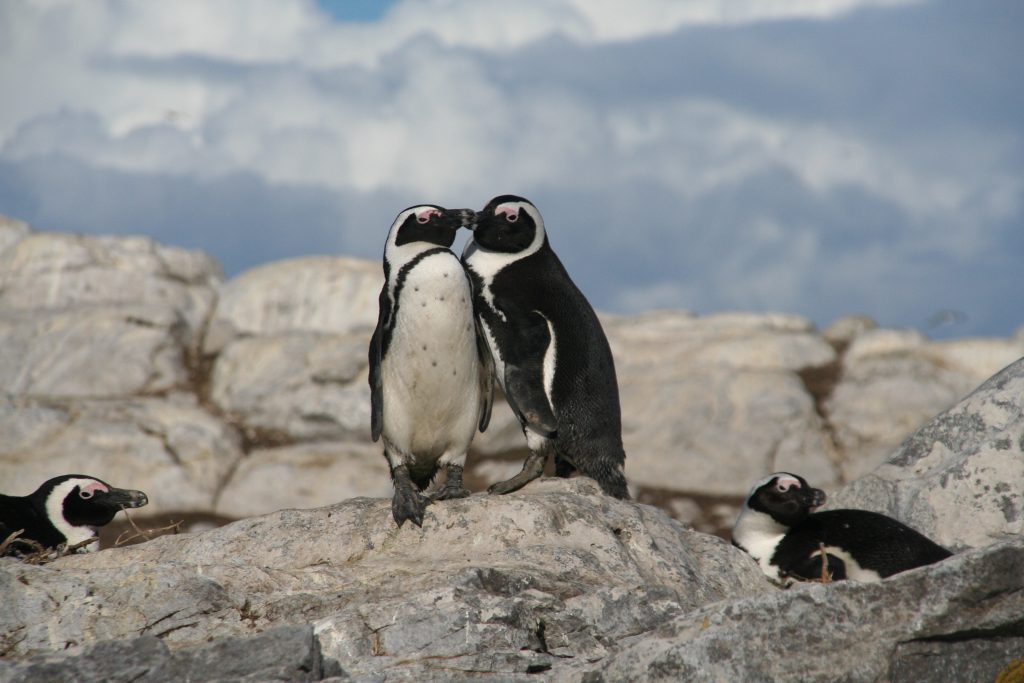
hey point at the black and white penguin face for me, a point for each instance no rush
(76, 504)
(509, 224)
(786, 498)
(428, 224)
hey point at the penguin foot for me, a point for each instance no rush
(453, 487)
(532, 468)
(408, 502)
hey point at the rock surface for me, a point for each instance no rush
(960, 478)
(99, 333)
(555, 572)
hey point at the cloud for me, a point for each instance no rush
(805, 155)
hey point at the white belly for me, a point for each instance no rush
(430, 376)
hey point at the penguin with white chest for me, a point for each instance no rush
(779, 528)
(549, 351)
(429, 390)
(65, 510)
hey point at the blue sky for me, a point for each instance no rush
(820, 157)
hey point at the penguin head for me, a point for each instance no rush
(508, 224)
(76, 504)
(427, 224)
(787, 498)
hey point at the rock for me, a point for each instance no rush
(957, 479)
(306, 475)
(52, 271)
(288, 653)
(846, 631)
(893, 381)
(554, 573)
(323, 294)
(11, 231)
(296, 387)
(844, 330)
(170, 448)
(711, 404)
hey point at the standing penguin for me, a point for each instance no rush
(778, 528)
(550, 354)
(65, 510)
(429, 390)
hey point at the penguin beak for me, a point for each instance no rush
(119, 498)
(814, 498)
(467, 218)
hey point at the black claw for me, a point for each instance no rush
(453, 487)
(408, 503)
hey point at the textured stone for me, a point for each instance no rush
(317, 294)
(555, 570)
(959, 478)
(288, 653)
(711, 404)
(306, 475)
(296, 386)
(55, 271)
(170, 448)
(845, 631)
(893, 381)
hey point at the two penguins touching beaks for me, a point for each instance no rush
(507, 311)
(449, 328)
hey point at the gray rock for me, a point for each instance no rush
(845, 631)
(893, 381)
(56, 271)
(711, 404)
(288, 653)
(977, 657)
(959, 478)
(305, 475)
(296, 387)
(170, 448)
(556, 570)
(332, 295)
(11, 231)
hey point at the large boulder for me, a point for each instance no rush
(555, 573)
(169, 447)
(972, 604)
(959, 478)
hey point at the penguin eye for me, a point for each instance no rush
(512, 217)
(423, 218)
(85, 495)
(782, 487)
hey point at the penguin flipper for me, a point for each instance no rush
(486, 377)
(375, 356)
(525, 393)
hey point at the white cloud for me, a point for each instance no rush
(440, 100)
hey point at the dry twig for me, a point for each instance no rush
(135, 533)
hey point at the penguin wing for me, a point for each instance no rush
(486, 377)
(524, 375)
(376, 354)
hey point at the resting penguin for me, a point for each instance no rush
(429, 390)
(66, 509)
(549, 352)
(778, 528)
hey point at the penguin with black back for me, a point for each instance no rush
(550, 354)
(779, 528)
(66, 510)
(429, 389)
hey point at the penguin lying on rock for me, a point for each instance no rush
(779, 528)
(429, 390)
(65, 510)
(549, 352)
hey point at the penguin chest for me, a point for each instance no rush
(431, 373)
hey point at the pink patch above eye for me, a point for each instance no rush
(786, 484)
(424, 216)
(94, 487)
(511, 211)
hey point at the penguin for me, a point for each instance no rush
(549, 352)
(66, 510)
(429, 389)
(778, 527)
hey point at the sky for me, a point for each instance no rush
(817, 157)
